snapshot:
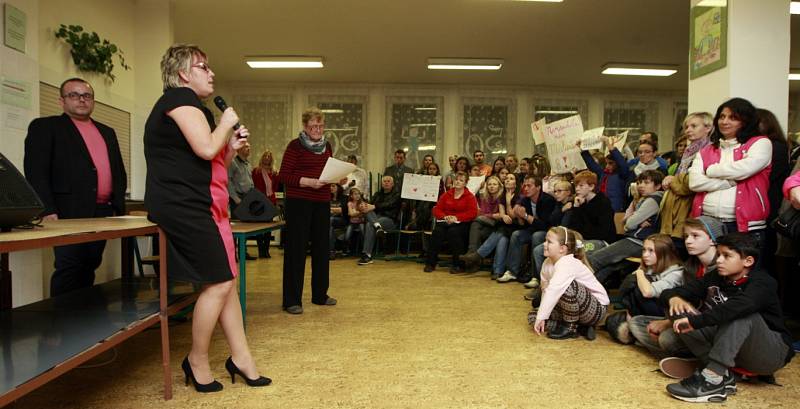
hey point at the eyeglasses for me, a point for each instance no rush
(320, 126)
(203, 66)
(76, 96)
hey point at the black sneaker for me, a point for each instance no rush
(697, 389)
(364, 260)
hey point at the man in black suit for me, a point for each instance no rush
(75, 165)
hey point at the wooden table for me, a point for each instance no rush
(73, 231)
(241, 232)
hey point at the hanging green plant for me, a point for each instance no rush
(89, 52)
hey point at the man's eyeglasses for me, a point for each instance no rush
(561, 190)
(76, 95)
(203, 66)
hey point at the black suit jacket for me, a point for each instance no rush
(60, 169)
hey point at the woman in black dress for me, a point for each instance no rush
(186, 194)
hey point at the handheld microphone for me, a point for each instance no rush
(220, 103)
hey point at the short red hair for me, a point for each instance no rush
(586, 176)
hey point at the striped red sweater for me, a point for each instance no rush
(299, 162)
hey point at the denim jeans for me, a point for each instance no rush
(336, 222)
(606, 257)
(518, 240)
(369, 230)
(498, 243)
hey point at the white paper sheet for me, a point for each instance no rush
(537, 131)
(336, 170)
(591, 139)
(474, 183)
(420, 187)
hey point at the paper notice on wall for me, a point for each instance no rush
(592, 139)
(16, 93)
(561, 138)
(537, 130)
(619, 140)
(474, 183)
(420, 187)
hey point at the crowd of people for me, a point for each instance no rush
(691, 265)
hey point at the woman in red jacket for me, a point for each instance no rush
(454, 212)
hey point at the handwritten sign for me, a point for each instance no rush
(420, 187)
(561, 138)
(537, 130)
(619, 140)
(592, 139)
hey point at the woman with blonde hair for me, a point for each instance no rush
(187, 155)
(677, 200)
(265, 180)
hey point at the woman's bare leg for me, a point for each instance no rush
(207, 311)
(232, 325)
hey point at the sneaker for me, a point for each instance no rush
(506, 277)
(535, 296)
(364, 260)
(697, 389)
(378, 228)
(429, 268)
(533, 283)
(678, 368)
(294, 309)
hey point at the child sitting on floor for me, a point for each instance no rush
(573, 301)
(729, 318)
(660, 270)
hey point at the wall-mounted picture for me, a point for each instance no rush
(708, 40)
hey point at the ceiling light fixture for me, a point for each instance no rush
(653, 70)
(794, 7)
(794, 76)
(464, 63)
(284, 61)
(713, 3)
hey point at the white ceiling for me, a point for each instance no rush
(388, 41)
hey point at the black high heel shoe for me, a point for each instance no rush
(234, 370)
(214, 386)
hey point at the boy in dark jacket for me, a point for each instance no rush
(738, 323)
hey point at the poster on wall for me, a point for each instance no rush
(15, 27)
(420, 187)
(561, 138)
(708, 40)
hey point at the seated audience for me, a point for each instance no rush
(641, 220)
(479, 157)
(462, 165)
(421, 212)
(654, 332)
(499, 163)
(265, 180)
(651, 138)
(398, 169)
(738, 323)
(560, 216)
(383, 214)
(453, 213)
(511, 163)
(497, 241)
(533, 213)
(488, 213)
(659, 270)
(573, 301)
(673, 158)
(592, 214)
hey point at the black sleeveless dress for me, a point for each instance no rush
(188, 196)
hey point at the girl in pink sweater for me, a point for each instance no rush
(573, 301)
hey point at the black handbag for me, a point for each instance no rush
(788, 223)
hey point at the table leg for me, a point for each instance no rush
(243, 277)
(163, 316)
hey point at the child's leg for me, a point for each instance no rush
(567, 310)
(748, 343)
(616, 252)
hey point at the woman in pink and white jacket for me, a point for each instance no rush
(731, 175)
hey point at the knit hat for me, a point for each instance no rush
(713, 227)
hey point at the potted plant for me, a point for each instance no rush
(89, 52)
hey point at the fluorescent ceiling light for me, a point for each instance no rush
(464, 63)
(794, 7)
(332, 111)
(557, 112)
(794, 76)
(284, 62)
(639, 69)
(713, 3)
(425, 109)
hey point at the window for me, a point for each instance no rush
(489, 125)
(267, 117)
(556, 109)
(414, 124)
(345, 117)
(633, 116)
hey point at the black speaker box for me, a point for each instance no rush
(255, 207)
(19, 203)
